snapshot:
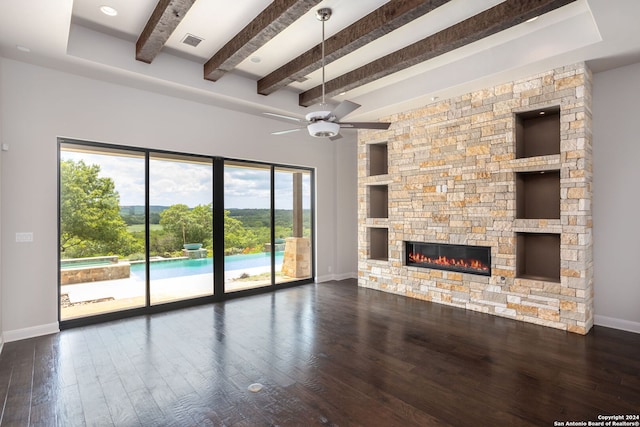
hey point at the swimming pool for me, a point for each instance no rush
(188, 267)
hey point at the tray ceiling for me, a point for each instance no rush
(258, 55)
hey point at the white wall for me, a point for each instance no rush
(616, 197)
(347, 213)
(40, 104)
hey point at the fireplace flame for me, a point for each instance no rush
(472, 264)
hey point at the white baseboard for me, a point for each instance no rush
(345, 276)
(325, 278)
(330, 277)
(34, 331)
(612, 322)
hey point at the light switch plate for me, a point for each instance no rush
(24, 237)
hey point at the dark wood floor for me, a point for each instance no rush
(327, 355)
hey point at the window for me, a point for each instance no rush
(143, 228)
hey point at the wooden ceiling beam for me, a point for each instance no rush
(484, 24)
(271, 21)
(163, 21)
(376, 24)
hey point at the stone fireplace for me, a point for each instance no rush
(507, 168)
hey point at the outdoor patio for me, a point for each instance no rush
(90, 298)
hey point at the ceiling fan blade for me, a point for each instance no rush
(344, 108)
(333, 138)
(364, 125)
(282, 116)
(282, 132)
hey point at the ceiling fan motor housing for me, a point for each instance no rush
(318, 115)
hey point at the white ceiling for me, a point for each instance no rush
(75, 36)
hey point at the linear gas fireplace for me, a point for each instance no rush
(440, 256)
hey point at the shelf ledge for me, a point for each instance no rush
(529, 225)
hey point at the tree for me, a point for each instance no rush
(188, 225)
(201, 226)
(90, 221)
(236, 236)
(175, 219)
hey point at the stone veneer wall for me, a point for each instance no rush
(468, 145)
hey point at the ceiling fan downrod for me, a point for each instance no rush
(323, 15)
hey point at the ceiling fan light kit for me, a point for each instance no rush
(323, 129)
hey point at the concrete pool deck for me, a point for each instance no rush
(112, 295)
(197, 284)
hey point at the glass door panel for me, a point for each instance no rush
(180, 227)
(102, 230)
(292, 220)
(247, 226)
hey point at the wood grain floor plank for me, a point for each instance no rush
(122, 411)
(19, 396)
(68, 407)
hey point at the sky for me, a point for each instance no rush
(191, 184)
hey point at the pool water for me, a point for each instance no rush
(189, 267)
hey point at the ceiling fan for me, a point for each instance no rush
(324, 122)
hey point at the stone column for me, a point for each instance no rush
(297, 249)
(297, 257)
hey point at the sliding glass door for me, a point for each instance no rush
(181, 224)
(102, 230)
(137, 228)
(247, 226)
(268, 234)
(292, 219)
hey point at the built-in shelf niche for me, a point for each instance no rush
(378, 159)
(378, 201)
(538, 133)
(538, 256)
(538, 195)
(379, 244)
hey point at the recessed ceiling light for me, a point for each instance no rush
(108, 10)
(542, 113)
(342, 93)
(435, 98)
(23, 48)
(532, 19)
